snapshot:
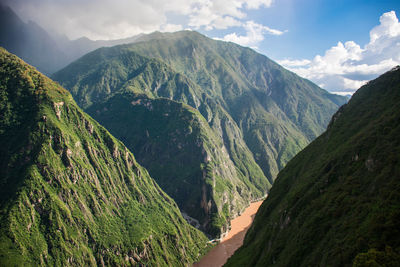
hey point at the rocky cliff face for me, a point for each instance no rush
(337, 202)
(72, 194)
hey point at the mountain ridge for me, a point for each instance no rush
(178, 52)
(71, 193)
(261, 113)
(48, 52)
(336, 203)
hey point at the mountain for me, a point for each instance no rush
(74, 49)
(29, 41)
(257, 93)
(47, 52)
(232, 180)
(259, 114)
(337, 203)
(190, 161)
(72, 194)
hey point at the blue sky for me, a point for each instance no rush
(326, 41)
(314, 26)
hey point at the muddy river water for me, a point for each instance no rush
(232, 241)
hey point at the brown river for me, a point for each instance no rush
(232, 241)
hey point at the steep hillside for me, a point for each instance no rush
(277, 112)
(337, 203)
(127, 74)
(177, 146)
(262, 115)
(71, 194)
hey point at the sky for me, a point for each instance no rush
(337, 44)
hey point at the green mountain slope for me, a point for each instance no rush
(181, 151)
(258, 113)
(126, 75)
(277, 112)
(337, 202)
(72, 194)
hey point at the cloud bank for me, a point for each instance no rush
(114, 19)
(345, 67)
(254, 34)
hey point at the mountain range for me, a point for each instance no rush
(48, 52)
(337, 203)
(162, 129)
(212, 121)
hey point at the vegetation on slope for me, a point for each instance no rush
(238, 180)
(260, 113)
(71, 194)
(337, 202)
(187, 159)
(277, 112)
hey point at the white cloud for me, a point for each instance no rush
(388, 28)
(256, 4)
(221, 14)
(346, 67)
(295, 63)
(343, 93)
(254, 34)
(223, 23)
(97, 19)
(113, 19)
(171, 28)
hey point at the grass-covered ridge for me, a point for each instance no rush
(72, 194)
(337, 203)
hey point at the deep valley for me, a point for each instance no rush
(174, 147)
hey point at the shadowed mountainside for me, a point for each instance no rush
(337, 203)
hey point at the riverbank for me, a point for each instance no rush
(218, 255)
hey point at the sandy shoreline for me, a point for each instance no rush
(232, 241)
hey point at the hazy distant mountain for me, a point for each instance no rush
(73, 195)
(47, 52)
(74, 49)
(252, 115)
(337, 203)
(30, 42)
